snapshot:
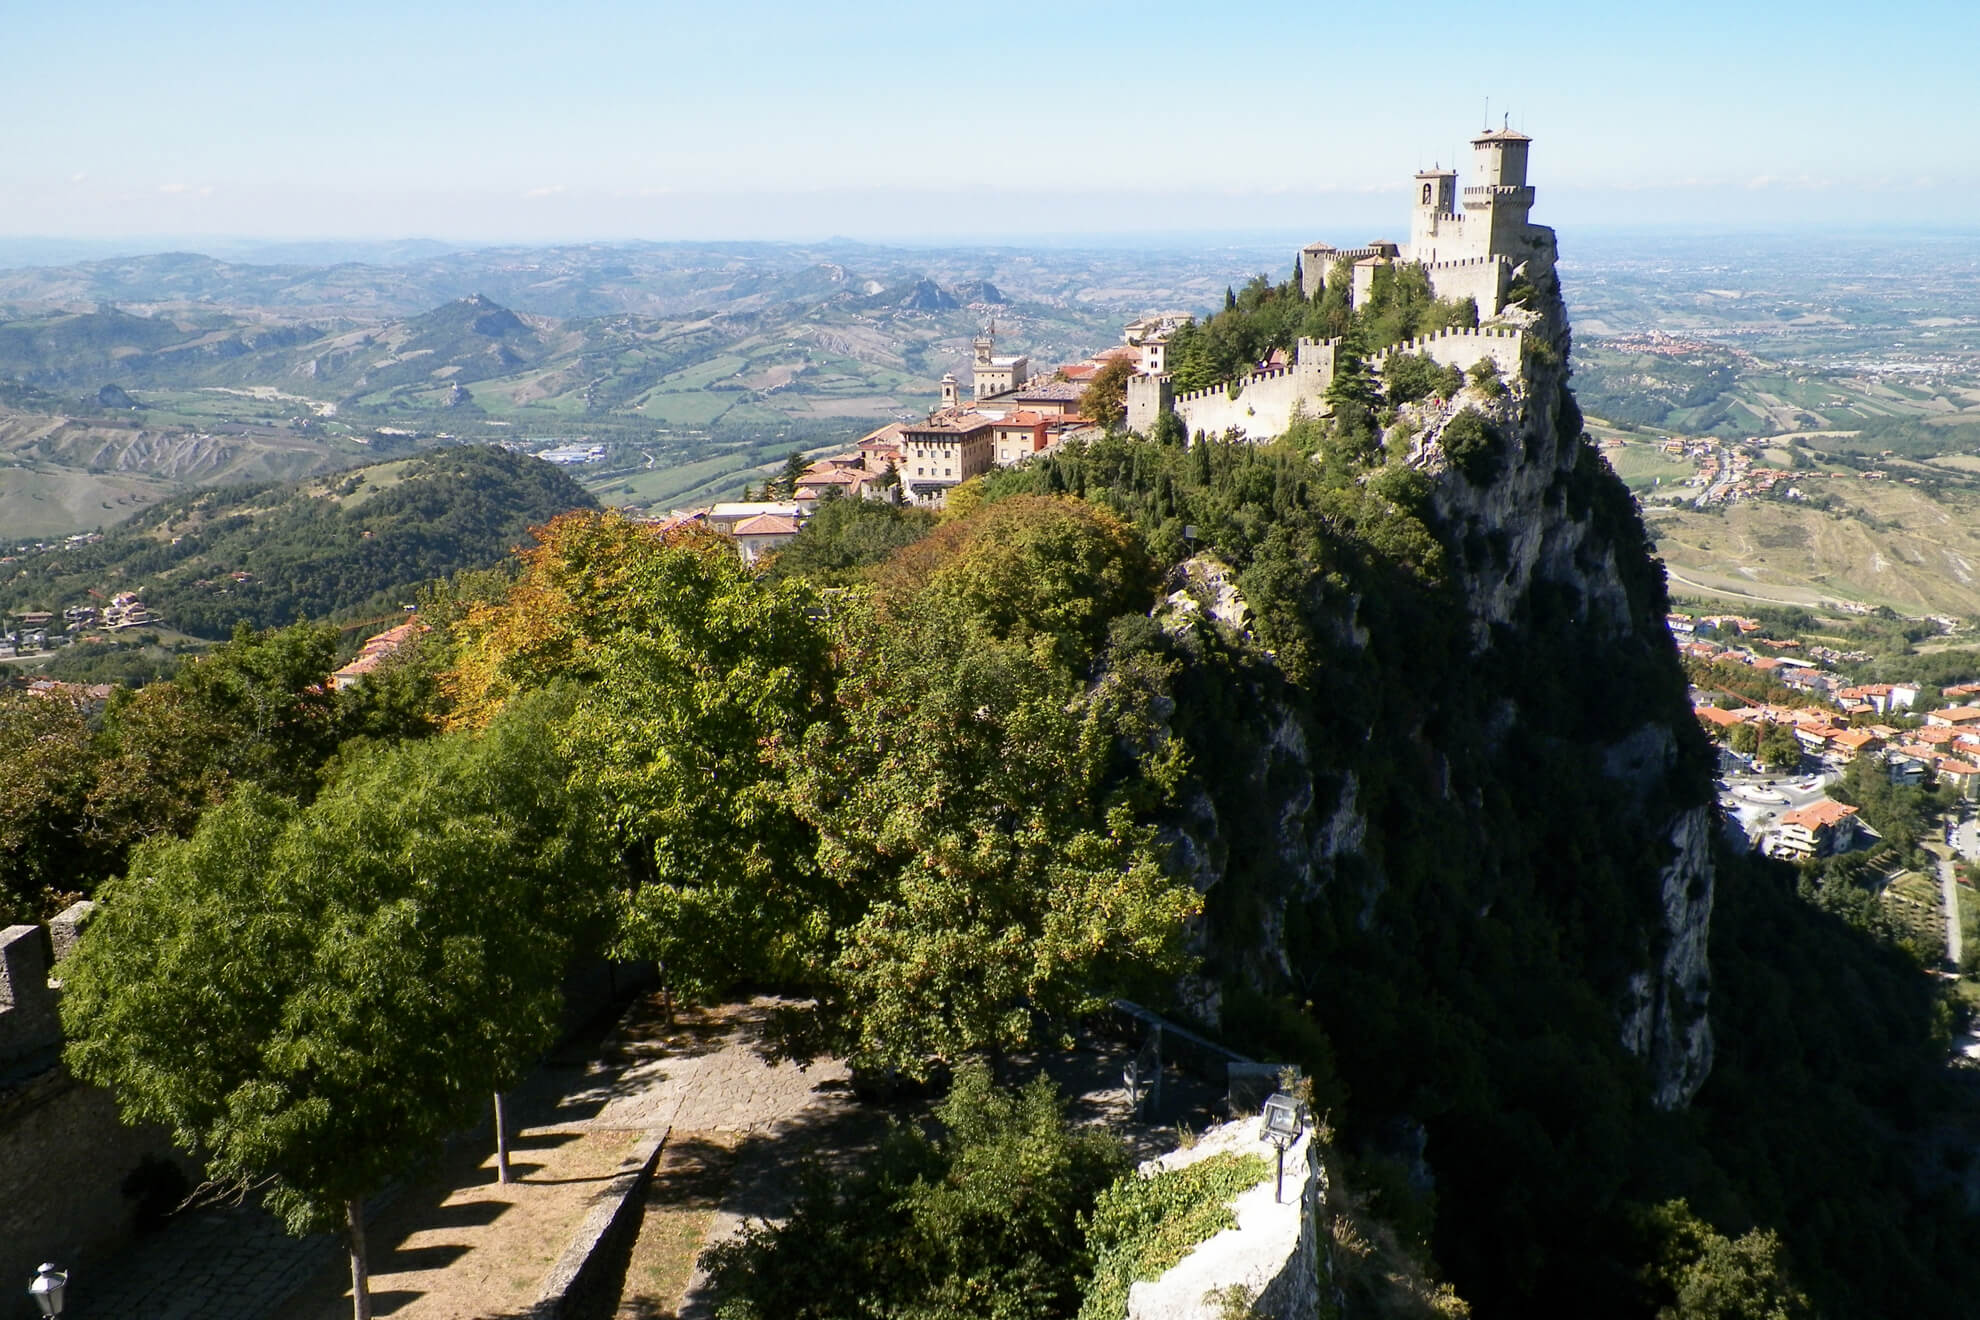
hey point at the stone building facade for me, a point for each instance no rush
(1471, 242)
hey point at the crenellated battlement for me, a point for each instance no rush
(1445, 337)
(1464, 349)
(29, 1023)
(1239, 383)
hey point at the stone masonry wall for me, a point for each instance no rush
(65, 1155)
(64, 1159)
(1481, 279)
(1262, 409)
(1275, 1256)
(1464, 349)
(28, 1024)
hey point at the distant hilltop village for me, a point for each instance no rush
(1475, 246)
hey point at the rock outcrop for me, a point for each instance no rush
(1562, 658)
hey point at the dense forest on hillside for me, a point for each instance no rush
(1216, 726)
(360, 540)
(1492, 1038)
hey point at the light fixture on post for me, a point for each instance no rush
(1282, 1125)
(47, 1289)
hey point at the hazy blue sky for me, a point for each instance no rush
(781, 120)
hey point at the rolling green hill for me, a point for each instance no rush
(362, 539)
(125, 380)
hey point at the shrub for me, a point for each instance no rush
(1143, 1225)
(1408, 377)
(981, 1220)
(1475, 446)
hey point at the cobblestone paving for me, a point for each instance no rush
(708, 1074)
(233, 1264)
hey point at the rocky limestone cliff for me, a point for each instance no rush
(1562, 697)
(1663, 1020)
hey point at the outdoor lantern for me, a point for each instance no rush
(1281, 1126)
(47, 1289)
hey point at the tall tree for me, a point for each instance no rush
(46, 766)
(1104, 399)
(392, 956)
(676, 736)
(973, 796)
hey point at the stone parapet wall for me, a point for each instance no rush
(1464, 349)
(1275, 1257)
(65, 1161)
(1481, 279)
(72, 1173)
(28, 1022)
(1261, 409)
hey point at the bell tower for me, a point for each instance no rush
(1435, 228)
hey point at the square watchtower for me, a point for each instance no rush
(1497, 206)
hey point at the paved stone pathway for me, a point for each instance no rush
(233, 1264)
(1949, 891)
(712, 1072)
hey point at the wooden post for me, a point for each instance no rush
(501, 1143)
(360, 1273)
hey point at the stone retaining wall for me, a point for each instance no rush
(1275, 1257)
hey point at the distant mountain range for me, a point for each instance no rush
(125, 378)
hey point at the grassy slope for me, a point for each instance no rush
(1922, 554)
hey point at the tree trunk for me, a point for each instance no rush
(360, 1273)
(501, 1143)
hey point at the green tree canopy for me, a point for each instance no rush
(313, 998)
(1105, 398)
(1044, 570)
(980, 1220)
(971, 798)
(46, 768)
(1700, 1274)
(676, 735)
(846, 537)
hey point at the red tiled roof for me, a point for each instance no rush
(380, 648)
(1816, 815)
(836, 477)
(766, 524)
(888, 434)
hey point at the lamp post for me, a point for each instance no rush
(1282, 1123)
(47, 1289)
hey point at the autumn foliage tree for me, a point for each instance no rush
(1104, 400)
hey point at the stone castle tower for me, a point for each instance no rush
(1492, 219)
(1473, 243)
